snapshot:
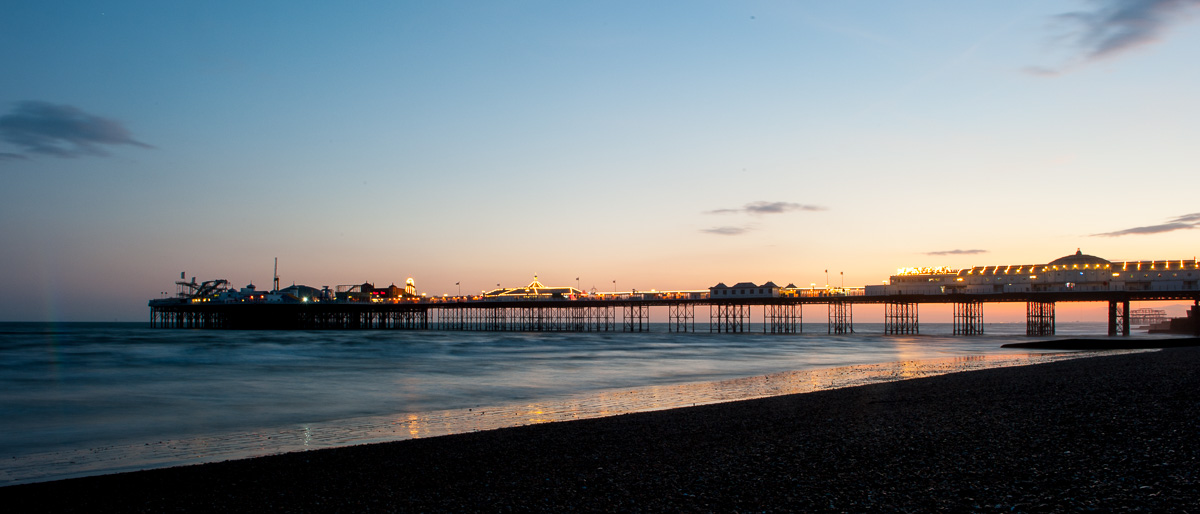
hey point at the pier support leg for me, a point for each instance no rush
(841, 318)
(782, 318)
(1039, 318)
(576, 319)
(1195, 315)
(526, 319)
(681, 318)
(728, 317)
(637, 317)
(900, 318)
(600, 319)
(460, 318)
(968, 318)
(501, 317)
(1118, 318)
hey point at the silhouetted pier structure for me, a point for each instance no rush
(779, 315)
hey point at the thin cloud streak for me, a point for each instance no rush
(1151, 229)
(1114, 27)
(760, 208)
(726, 231)
(42, 128)
(957, 252)
(1187, 218)
(1185, 222)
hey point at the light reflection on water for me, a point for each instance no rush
(79, 399)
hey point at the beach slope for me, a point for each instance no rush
(1113, 432)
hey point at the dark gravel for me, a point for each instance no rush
(1107, 433)
(1109, 343)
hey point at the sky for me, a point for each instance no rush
(635, 145)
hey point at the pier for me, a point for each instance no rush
(780, 315)
(728, 309)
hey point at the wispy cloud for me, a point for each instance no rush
(1043, 71)
(726, 231)
(1151, 229)
(956, 252)
(1185, 222)
(759, 208)
(1113, 27)
(1188, 218)
(41, 128)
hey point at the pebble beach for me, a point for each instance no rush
(1111, 432)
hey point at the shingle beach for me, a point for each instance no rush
(1114, 432)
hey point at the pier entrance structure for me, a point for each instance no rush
(1074, 277)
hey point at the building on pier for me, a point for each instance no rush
(367, 292)
(1076, 272)
(306, 293)
(744, 290)
(750, 290)
(534, 291)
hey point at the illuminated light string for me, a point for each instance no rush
(1154, 265)
(927, 270)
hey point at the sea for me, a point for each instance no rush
(79, 399)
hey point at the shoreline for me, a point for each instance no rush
(1107, 344)
(270, 441)
(1114, 432)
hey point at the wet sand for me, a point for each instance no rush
(1115, 432)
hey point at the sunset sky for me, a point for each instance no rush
(664, 145)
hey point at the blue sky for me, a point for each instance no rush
(664, 146)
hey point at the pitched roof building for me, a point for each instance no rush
(744, 290)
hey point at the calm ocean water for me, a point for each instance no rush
(76, 398)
